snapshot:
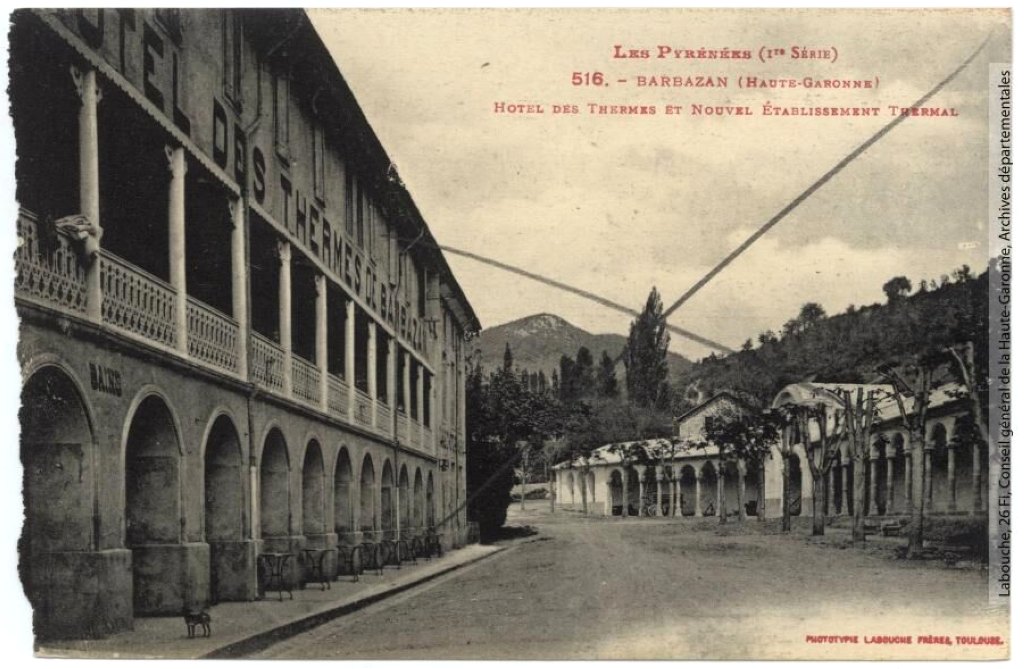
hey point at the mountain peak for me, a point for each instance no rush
(540, 340)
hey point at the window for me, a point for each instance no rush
(350, 195)
(318, 162)
(281, 114)
(232, 39)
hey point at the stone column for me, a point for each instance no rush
(284, 311)
(890, 489)
(239, 284)
(698, 510)
(951, 477)
(371, 369)
(320, 284)
(928, 479)
(406, 394)
(643, 497)
(841, 488)
(907, 479)
(419, 403)
(89, 184)
(873, 486)
(176, 243)
(976, 506)
(392, 394)
(608, 498)
(350, 357)
(625, 493)
(661, 489)
(741, 489)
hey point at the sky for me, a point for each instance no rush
(620, 204)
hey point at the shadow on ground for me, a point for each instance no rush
(509, 533)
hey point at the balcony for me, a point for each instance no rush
(137, 305)
(305, 381)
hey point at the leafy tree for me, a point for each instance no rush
(607, 382)
(585, 380)
(644, 356)
(748, 439)
(896, 288)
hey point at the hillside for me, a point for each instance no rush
(538, 342)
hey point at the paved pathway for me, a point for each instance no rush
(602, 588)
(239, 626)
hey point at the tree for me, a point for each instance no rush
(503, 421)
(974, 388)
(747, 439)
(645, 355)
(831, 428)
(896, 288)
(568, 388)
(607, 382)
(914, 421)
(586, 383)
(860, 416)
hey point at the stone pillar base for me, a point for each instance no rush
(79, 595)
(233, 571)
(168, 578)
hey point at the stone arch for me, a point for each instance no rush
(343, 517)
(708, 503)
(615, 492)
(731, 488)
(367, 496)
(419, 503)
(431, 503)
(650, 499)
(900, 471)
(688, 503)
(275, 489)
(796, 480)
(59, 482)
(153, 509)
(404, 493)
(314, 520)
(632, 505)
(387, 499)
(224, 508)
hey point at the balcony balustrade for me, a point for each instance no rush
(212, 337)
(337, 396)
(364, 405)
(49, 271)
(305, 381)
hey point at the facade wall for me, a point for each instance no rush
(208, 411)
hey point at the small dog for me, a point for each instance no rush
(195, 619)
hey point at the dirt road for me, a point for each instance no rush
(603, 588)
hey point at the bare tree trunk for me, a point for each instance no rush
(741, 493)
(522, 487)
(785, 493)
(721, 492)
(760, 491)
(819, 502)
(551, 491)
(915, 545)
(859, 476)
(585, 490)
